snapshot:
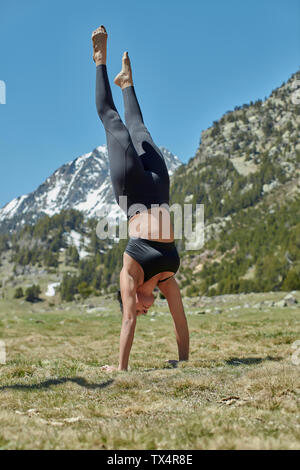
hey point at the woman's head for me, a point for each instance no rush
(144, 300)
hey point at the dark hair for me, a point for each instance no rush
(119, 298)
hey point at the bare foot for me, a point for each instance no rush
(99, 38)
(124, 78)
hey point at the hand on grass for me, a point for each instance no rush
(108, 368)
(172, 362)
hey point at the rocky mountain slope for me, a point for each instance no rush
(246, 155)
(82, 184)
(246, 172)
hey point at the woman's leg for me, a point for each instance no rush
(106, 108)
(126, 168)
(134, 120)
(133, 115)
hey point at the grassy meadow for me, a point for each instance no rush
(240, 389)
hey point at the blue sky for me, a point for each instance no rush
(192, 61)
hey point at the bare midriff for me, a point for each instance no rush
(154, 224)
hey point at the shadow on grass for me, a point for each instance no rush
(171, 364)
(233, 361)
(48, 383)
(237, 361)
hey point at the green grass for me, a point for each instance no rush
(240, 389)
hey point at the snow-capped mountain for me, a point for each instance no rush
(82, 184)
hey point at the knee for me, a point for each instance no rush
(101, 111)
(108, 116)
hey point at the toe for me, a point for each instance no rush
(101, 29)
(125, 57)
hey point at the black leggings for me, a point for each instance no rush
(137, 166)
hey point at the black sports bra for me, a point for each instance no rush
(153, 256)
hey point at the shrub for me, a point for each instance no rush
(32, 293)
(292, 281)
(84, 289)
(19, 293)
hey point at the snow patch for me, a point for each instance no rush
(11, 208)
(51, 289)
(80, 242)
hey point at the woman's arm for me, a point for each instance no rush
(128, 293)
(171, 291)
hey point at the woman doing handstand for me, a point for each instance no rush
(138, 171)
